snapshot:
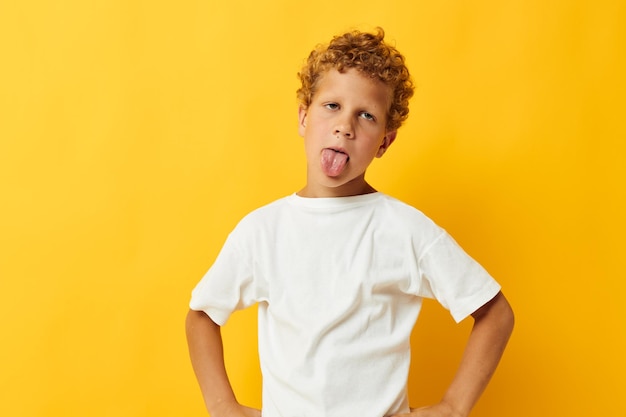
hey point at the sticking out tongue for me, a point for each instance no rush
(333, 162)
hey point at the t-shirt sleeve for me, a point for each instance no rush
(454, 279)
(229, 284)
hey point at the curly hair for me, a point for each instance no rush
(370, 55)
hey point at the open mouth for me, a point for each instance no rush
(341, 151)
(334, 161)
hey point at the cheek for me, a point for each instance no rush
(316, 126)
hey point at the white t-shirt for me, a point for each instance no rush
(339, 282)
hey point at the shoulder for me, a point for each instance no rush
(404, 214)
(402, 222)
(263, 216)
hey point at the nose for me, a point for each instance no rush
(344, 128)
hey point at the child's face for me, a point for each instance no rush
(344, 128)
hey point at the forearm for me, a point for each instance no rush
(492, 328)
(204, 340)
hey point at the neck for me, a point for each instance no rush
(346, 190)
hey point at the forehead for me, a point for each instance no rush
(352, 84)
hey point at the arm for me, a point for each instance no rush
(204, 339)
(493, 324)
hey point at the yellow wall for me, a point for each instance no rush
(134, 134)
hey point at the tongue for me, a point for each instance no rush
(333, 162)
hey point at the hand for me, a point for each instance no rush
(441, 409)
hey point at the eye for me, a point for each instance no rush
(367, 116)
(331, 106)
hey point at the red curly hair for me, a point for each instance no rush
(370, 55)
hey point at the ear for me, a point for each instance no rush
(387, 141)
(302, 113)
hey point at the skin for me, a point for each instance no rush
(204, 340)
(348, 112)
(493, 324)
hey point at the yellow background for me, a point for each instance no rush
(134, 134)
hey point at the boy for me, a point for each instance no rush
(339, 270)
